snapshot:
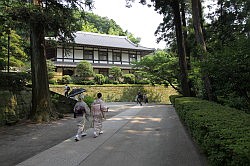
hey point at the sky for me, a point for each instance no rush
(139, 20)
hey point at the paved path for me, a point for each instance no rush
(139, 136)
(22, 141)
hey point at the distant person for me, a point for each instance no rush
(98, 108)
(145, 98)
(81, 107)
(139, 98)
(66, 90)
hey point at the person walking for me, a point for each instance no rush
(98, 108)
(139, 98)
(145, 98)
(66, 90)
(79, 107)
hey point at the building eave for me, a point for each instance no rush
(94, 65)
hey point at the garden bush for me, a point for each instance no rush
(88, 82)
(129, 78)
(173, 97)
(223, 133)
(99, 79)
(88, 100)
(66, 79)
(77, 80)
(14, 80)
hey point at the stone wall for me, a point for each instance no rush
(14, 105)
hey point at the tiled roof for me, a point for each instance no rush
(96, 39)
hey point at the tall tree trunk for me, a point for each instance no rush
(184, 24)
(181, 48)
(196, 4)
(41, 103)
(187, 48)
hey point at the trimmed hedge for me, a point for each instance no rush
(223, 133)
(173, 97)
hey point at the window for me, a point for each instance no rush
(103, 55)
(132, 57)
(116, 56)
(88, 54)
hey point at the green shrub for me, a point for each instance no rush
(52, 81)
(66, 79)
(115, 82)
(143, 81)
(99, 79)
(88, 100)
(14, 80)
(107, 80)
(222, 132)
(129, 78)
(84, 69)
(77, 80)
(173, 97)
(88, 82)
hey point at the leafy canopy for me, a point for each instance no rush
(160, 66)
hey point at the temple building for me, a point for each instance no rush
(102, 51)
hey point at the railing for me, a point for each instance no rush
(93, 61)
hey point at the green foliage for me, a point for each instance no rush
(104, 25)
(231, 65)
(51, 69)
(129, 78)
(222, 132)
(173, 97)
(80, 81)
(99, 79)
(88, 100)
(77, 80)
(161, 66)
(14, 80)
(16, 50)
(84, 70)
(66, 79)
(52, 81)
(88, 82)
(115, 73)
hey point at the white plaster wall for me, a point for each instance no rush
(103, 62)
(95, 55)
(59, 54)
(110, 56)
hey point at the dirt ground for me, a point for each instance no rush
(26, 139)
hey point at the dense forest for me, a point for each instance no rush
(207, 54)
(209, 50)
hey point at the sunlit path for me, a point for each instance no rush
(141, 135)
